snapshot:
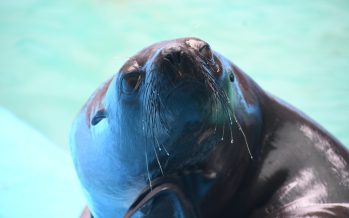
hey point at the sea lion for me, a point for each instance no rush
(180, 131)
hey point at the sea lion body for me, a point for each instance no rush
(180, 131)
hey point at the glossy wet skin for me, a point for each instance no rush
(178, 109)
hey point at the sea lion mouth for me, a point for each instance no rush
(191, 87)
(192, 83)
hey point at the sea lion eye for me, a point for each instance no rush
(131, 82)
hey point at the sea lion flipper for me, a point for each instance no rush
(165, 200)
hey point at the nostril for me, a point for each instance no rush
(176, 64)
(174, 56)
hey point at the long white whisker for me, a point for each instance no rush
(244, 135)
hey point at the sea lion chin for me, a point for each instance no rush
(180, 131)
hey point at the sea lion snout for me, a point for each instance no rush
(184, 61)
(174, 55)
(175, 62)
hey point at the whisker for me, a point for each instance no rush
(167, 153)
(146, 164)
(239, 125)
(146, 130)
(225, 102)
(243, 133)
(153, 106)
(158, 160)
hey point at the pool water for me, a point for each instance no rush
(54, 53)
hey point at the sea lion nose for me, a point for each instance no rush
(173, 55)
(176, 64)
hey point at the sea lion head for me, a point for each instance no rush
(165, 111)
(168, 101)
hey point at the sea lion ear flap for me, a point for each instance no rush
(165, 200)
(100, 115)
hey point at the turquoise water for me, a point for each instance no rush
(54, 53)
(37, 179)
